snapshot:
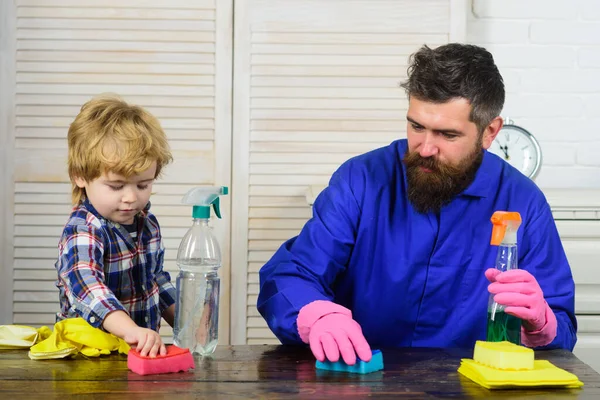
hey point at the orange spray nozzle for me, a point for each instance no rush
(503, 221)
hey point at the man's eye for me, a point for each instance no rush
(417, 127)
(449, 135)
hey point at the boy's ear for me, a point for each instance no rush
(80, 182)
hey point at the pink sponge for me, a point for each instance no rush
(175, 360)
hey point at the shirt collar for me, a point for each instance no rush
(480, 187)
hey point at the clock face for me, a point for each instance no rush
(519, 148)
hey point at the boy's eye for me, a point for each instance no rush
(142, 187)
(115, 188)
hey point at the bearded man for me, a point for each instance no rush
(398, 253)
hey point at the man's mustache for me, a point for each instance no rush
(415, 160)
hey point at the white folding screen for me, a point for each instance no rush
(315, 82)
(172, 57)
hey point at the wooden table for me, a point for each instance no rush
(271, 372)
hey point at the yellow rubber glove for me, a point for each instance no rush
(43, 333)
(75, 335)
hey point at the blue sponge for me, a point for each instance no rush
(360, 367)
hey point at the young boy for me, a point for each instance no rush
(110, 263)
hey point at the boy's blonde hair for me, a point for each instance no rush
(110, 135)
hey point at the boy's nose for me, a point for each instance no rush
(129, 196)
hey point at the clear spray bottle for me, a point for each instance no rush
(502, 326)
(198, 283)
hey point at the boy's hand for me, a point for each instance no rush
(149, 342)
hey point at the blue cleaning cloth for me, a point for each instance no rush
(361, 367)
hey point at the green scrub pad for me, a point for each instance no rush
(361, 367)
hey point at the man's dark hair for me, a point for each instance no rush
(457, 70)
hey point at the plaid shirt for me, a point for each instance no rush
(101, 269)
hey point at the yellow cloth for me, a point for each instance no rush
(544, 373)
(17, 336)
(72, 336)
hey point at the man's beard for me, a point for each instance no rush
(430, 191)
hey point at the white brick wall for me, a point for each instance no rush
(548, 52)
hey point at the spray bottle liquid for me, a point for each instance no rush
(502, 326)
(198, 283)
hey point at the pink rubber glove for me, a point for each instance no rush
(520, 292)
(330, 330)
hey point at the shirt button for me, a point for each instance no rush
(92, 319)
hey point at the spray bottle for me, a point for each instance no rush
(198, 283)
(502, 326)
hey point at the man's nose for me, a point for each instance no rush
(429, 147)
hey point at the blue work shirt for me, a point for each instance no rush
(413, 279)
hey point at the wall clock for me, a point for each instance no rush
(518, 147)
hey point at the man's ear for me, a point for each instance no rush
(491, 131)
(80, 182)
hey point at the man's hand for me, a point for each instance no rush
(336, 334)
(520, 292)
(330, 331)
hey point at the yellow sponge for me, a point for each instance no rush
(503, 355)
